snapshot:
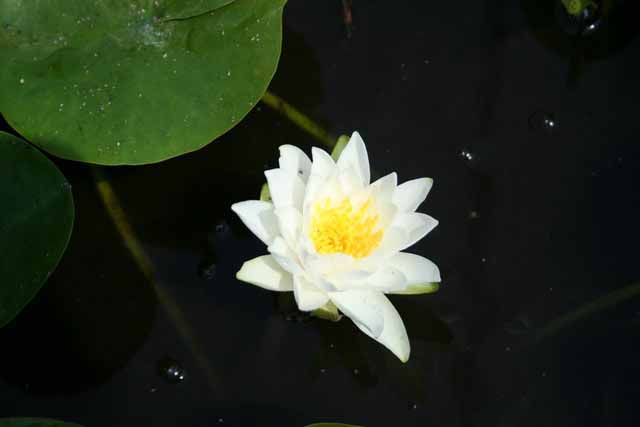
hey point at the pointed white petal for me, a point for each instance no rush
(259, 217)
(393, 334)
(308, 297)
(323, 165)
(290, 224)
(416, 269)
(295, 161)
(416, 225)
(284, 256)
(265, 272)
(363, 307)
(409, 195)
(385, 187)
(355, 155)
(287, 189)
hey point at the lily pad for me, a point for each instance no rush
(36, 218)
(134, 82)
(34, 422)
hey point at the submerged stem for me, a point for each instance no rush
(299, 119)
(144, 263)
(586, 310)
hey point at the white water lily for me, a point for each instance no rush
(336, 240)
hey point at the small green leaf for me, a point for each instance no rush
(134, 82)
(426, 288)
(329, 311)
(36, 218)
(34, 422)
(340, 144)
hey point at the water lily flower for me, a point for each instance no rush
(337, 241)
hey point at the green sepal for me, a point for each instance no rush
(424, 288)
(265, 194)
(329, 311)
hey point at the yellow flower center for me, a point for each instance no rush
(342, 229)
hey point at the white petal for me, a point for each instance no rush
(416, 269)
(322, 168)
(384, 188)
(294, 160)
(323, 165)
(363, 308)
(387, 278)
(286, 188)
(259, 217)
(265, 272)
(284, 256)
(409, 195)
(355, 155)
(393, 334)
(308, 297)
(416, 225)
(290, 224)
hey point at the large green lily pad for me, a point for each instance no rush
(36, 218)
(133, 82)
(34, 422)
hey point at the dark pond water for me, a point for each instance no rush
(531, 136)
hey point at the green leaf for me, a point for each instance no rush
(36, 218)
(34, 422)
(426, 288)
(134, 82)
(331, 425)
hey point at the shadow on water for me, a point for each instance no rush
(93, 314)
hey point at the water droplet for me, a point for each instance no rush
(171, 371)
(543, 121)
(220, 420)
(164, 55)
(21, 81)
(323, 370)
(483, 260)
(229, 73)
(474, 215)
(332, 346)
(356, 371)
(413, 406)
(153, 390)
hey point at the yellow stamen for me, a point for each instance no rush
(341, 229)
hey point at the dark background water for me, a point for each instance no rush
(535, 222)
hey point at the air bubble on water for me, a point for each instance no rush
(323, 370)
(171, 371)
(356, 371)
(220, 420)
(466, 154)
(332, 346)
(413, 406)
(541, 121)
